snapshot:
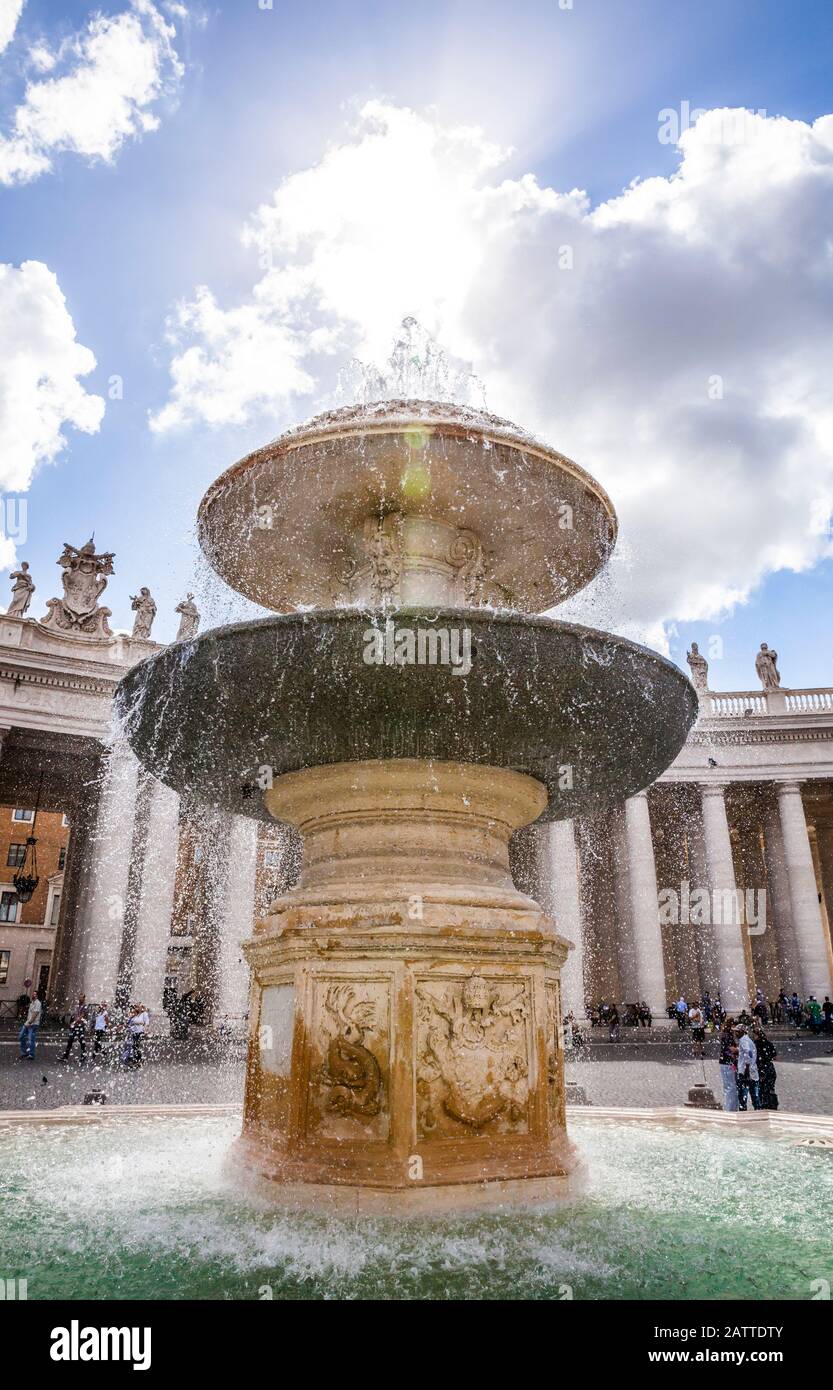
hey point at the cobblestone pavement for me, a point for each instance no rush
(625, 1073)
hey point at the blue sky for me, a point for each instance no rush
(261, 95)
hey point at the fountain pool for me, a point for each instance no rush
(145, 1208)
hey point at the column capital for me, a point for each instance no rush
(788, 787)
(713, 788)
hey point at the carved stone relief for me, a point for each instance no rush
(555, 1096)
(350, 1062)
(472, 1056)
(465, 555)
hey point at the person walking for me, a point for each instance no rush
(100, 1026)
(728, 1062)
(747, 1069)
(682, 1012)
(78, 1028)
(28, 1035)
(613, 1020)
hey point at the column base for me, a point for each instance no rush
(248, 1163)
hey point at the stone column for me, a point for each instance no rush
(731, 961)
(758, 914)
(779, 907)
(704, 932)
(637, 895)
(232, 993)
(824, 841)
(104, 879)
(155, 902)
(804, 898)
(558, 890)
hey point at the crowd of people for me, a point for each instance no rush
(112, 1034)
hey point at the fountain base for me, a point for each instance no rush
(406, 1022)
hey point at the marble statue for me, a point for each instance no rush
(767, 668)
(22, 591)
(84, 580)
(189, 620)
(699, 668)
(144, 607)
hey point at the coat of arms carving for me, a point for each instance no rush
(472, 1055)
(84, 580)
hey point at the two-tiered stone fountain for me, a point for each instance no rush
(405, 713)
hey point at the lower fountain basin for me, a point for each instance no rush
(139, 1206)
(592, 716)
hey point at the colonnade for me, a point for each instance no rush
(693, 887)
(626, 889)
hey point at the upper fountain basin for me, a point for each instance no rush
(407, 502)
(593, 717)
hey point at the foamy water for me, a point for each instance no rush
(143, 1208)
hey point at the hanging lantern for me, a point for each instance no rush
(26, 879)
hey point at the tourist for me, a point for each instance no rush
(766, 1069)
(28, 1035)
(78, 1028)
(728, 1065)
(814, 1016)
(827, 1010)
(747, 1069)
(139, 1022)
(100, 1026)
(613, 1020)
(795, 1010)
(697, 1023)
(682, 1012)
(646, 1018)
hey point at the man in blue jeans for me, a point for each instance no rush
(28, 1035)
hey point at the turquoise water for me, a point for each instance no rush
(139, 1208)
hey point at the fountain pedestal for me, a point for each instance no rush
(406, 1009)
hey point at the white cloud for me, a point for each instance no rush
(40, 363)
(10, 12)
(117, 71)
(684, 358)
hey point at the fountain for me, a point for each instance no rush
(406, 711)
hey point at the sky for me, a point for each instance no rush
(616, 213)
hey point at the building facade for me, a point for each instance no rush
(27, 929)
(719, 877)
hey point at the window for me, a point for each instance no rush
(18, 814)
(56, 908)
(16, 856)
(5, 957)
(272, 858)
(62, 858)
(8, 907)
